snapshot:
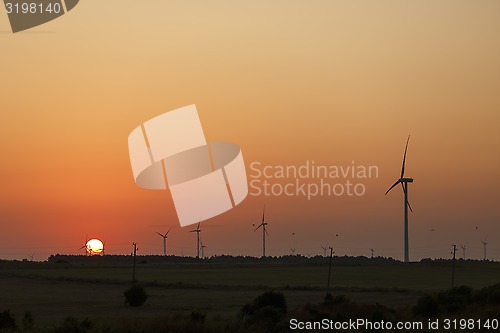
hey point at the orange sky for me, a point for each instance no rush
(289, 81)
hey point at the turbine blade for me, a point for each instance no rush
(404, 158)
(159, 234)
(198, 226)
(266, 231)
(263, 212)
(260, 225)
(396, 183)
(409, 206)
(407, 201)
(168, 231)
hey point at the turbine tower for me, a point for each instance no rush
(164, 236)
(484, 246)
(202, 249)
(197, 230)
(264, 232)
(404, 184)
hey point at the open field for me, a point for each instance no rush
(55, 291)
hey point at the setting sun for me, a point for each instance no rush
(95, 246)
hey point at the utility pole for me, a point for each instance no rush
(453, 269)
(135, 253)
(329, 272)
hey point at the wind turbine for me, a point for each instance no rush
(164, 236)
(264, 232)
(103, 248)
(197, 230)
(464, 247)
(404, 184)
(324, 250)
(484, 246)
(85, 246)
(293, 251)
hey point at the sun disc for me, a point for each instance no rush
(95, 246)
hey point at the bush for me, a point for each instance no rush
(135, 296)
(427, 306)
(28, 321)
(456, 299)
(450, 301)
(269, 298)
(74, 325)
(489, 295)
(7, 321)
(198, 317)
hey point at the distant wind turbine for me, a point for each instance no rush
(164, 236)
(484, 247)
(404, 184)
(293, 251)
(264, 232)
(324, 250)
(103, 248)
(463, 250)
(197, 230)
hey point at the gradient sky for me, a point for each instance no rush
(289, 81)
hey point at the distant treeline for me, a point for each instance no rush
(227, 259)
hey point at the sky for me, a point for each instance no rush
(334, 82)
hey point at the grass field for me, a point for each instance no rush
(54, 291)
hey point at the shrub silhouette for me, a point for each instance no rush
(456, 299)
(450, 301)
(489, 295)
(135, 296)
(73, 325)
(7, 321)
(28, 321)
(427, 306)
(269, 298)
(198, 317)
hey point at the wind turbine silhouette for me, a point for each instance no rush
(324, 250)
(197, 230)
(164, 236)
(264, 232)
(404, 184)
(86, 247)
(464, 247)
(484, 246)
